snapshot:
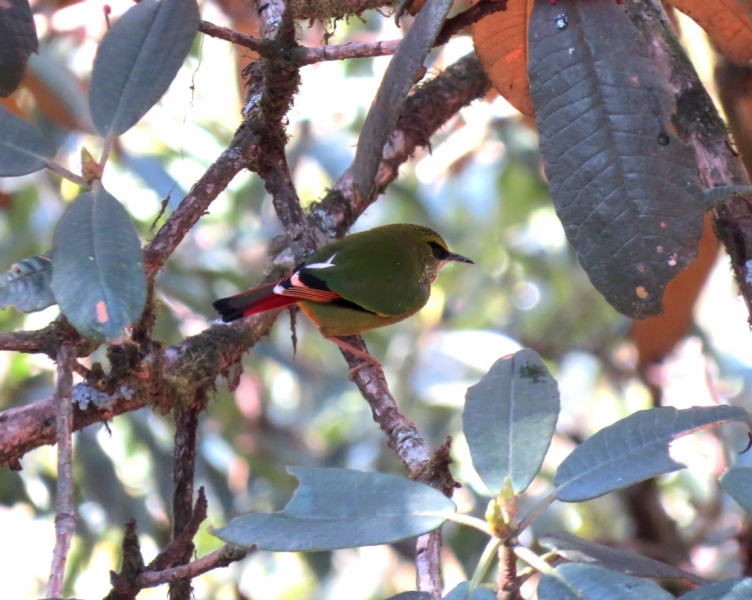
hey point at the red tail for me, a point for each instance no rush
(251, 302)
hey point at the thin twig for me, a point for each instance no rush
(65, 518)
(225, 33)
(508, 581)
(223, 557)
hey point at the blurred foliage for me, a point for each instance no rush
(481, 187)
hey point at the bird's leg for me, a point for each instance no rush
(357, 352)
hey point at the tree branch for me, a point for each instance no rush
(214, 351)
(272, 84)
(65, 516)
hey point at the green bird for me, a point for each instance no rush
(360, 282)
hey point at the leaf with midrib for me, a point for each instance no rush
(98, 269)
(398, 80)
(23, 148)
(634, 449)
(509, 420)
(587, 582)
(27, 284)
(342, 508)
(138, 59)
(624, 186)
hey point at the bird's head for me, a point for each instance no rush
(435, 253)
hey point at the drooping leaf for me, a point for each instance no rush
(732, 589)
(460, 592)
(634, 449)
(501, 43)
(19, 39)
(397, 82)
(58, 92)
(737, 482)
(509, 419)
(98, 269)
(625, 188)
(27, 284)
(138, 59)
(586, 582)
(576, 549)
(341, 508)
(727, 22)
(23, 148)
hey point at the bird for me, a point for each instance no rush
(360, 282)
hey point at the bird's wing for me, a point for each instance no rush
(381, 280)
(302, 284)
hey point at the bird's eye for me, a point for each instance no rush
(439, 252)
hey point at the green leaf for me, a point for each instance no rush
(509, 420)
(737, 482)
(634, 449)
(411, 596)
(98, 269)
(23, 149)
(341, 508)
(398, 80)
(27, 284)
(576, 549)
(583, 582)
(460, 592)
(138, 59)
(733, 589)
(625, 187)
(19, 39)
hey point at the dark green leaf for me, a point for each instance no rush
(460, 593)
(398, 80)
(19, 39)
(98, 269)
(584, 582)
(509, 419)
(138, 59)
(733, 589)
(576, 549)
(340, 508)
(738, 484)
(27, 284)
(23, 149)
(634, 449)
(625, 187)
(411, 596)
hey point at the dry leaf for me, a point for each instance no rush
(727, 22)
(501, 42)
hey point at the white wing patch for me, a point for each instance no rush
(323, 265)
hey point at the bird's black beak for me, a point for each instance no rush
(458, 258)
